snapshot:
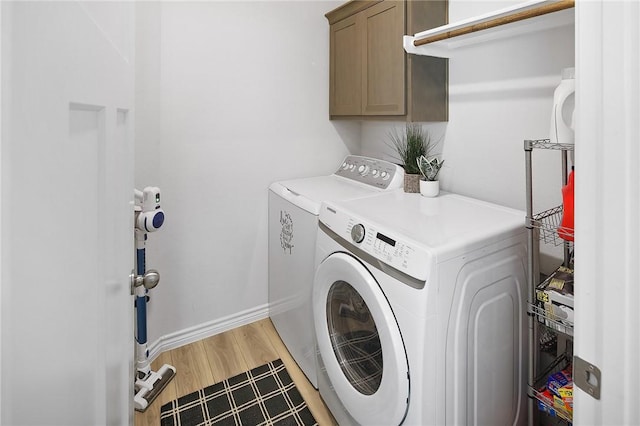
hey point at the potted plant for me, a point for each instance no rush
(409, 146)
(429, 169)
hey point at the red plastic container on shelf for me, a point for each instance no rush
(565, 230)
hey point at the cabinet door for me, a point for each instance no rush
(383, 87)
(345, 78)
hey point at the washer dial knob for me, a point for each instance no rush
(357, 233)
(363, 170)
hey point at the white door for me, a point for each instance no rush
(360, 342)
(607, 315)
(67, 206)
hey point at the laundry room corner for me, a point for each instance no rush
(500, 93)
(226, 105)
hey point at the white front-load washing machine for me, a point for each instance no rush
(419, 309)
(294, 206)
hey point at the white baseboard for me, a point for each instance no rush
(207, 329)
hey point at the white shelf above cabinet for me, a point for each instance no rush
(528, 17)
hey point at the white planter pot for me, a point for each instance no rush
(430, 188)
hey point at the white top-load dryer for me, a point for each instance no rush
(420, 311)
(294, 206)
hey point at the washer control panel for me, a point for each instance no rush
(397, 252)
(371, 171)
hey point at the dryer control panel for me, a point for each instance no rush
(401, 254)
(371, 171)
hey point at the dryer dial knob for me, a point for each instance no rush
(357, 233)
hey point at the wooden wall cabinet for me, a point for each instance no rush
(371, 76)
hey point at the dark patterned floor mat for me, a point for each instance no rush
(265, 395)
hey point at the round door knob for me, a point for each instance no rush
(357, 233)
(151, 279)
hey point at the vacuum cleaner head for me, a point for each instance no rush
(150, 386)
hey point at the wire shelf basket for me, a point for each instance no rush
(554, 411)
(547, 144)
(557, 411)
(551, 321)
(561, 362)
(548, 222)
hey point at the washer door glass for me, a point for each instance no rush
(354, 338)
(361, 351)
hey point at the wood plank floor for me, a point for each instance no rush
(216, 358)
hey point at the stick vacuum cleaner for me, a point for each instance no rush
(149, 217)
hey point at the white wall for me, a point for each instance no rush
(231, 96)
